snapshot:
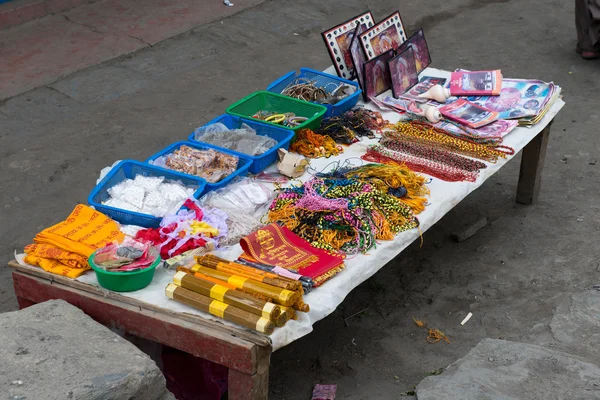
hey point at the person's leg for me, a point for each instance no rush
(587, 28)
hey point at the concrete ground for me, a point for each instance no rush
(511, 275)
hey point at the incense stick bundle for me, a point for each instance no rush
(235, 298)
(287, 313)
(219, 309)
(280, 296)
(307, 283)
(222, 283)
(215, 262)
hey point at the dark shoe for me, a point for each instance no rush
(590, 55)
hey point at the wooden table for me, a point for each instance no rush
(244, 353)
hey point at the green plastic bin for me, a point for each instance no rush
(124, 281)
(267, 101)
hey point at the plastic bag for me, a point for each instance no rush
(244, 139)
(245, 202)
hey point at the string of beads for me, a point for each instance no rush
(424, 133)
(341, 214)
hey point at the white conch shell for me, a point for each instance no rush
(437, 93)
(431, 113)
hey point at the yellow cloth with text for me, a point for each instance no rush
(64, 248)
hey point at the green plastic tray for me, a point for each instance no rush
(267, 101)
(124, 281)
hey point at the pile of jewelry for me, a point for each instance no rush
(288, 119)
(348, 127)
(342, 211)
(311, 145)
(210, 164)
(396, 180)
(424, 133)
(438, 163)
(307, 90)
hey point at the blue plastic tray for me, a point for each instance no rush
(129, 169)
(261, 162)
(244, 162)
(321, 80)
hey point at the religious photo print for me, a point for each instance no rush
(387, 35)
(358, 56)
(418, 43)
(377, 75)
(403, 72)
(338, 40)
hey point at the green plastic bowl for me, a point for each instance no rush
(124, 281)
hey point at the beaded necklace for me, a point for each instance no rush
(311, 145)
(338, 214)
(429, 152)
(423, 163)
(424, 133)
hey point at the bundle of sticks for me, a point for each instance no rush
(256, 299)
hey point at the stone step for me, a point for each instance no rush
(53, 351)
(503, 370)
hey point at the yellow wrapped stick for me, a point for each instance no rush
(219, 309)
(232, 297)
(280, 296)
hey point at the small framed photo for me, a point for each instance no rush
(386, 35)
(376, 75)
(358, 56)
(338, 39)
(403, 72)
(418, 43)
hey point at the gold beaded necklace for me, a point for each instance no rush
(423, 133)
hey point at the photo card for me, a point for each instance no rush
(418, 43)
(358, 56)
(403, 72)
(387, 35)
(338, 39)
(376, 75)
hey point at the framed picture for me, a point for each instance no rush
(358, 56)
(403, 72)
(418, 43)
(386, 35)
(338, 39)
(376, 75)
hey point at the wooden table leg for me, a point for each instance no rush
(243, 386)
(532, 164)
(24, 303)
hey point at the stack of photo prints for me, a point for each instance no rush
(379, 55)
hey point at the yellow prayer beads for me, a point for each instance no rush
(423, 133)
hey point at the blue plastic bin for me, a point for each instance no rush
(242, 168)
(129, 169)
(261, 162)
(323, 80)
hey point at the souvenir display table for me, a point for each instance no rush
(149, 314)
